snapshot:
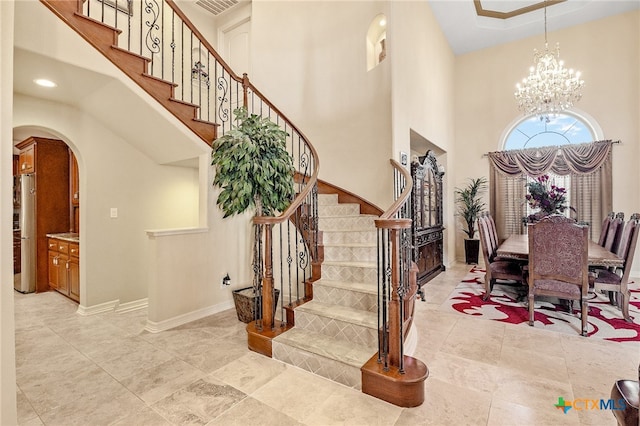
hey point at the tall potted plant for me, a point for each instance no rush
(469, 206)
(255, 173)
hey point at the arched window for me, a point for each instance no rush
(586, 200)
(564, 128)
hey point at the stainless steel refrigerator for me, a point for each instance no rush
(27, 281)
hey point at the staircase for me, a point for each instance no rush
(340, 330)
(335, 334)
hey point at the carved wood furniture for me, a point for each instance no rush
(558, 263)
(496, 267)
(616, 280)
(517, 247)
(426, 208)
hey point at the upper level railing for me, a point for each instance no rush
(178, 53)
(396, 274)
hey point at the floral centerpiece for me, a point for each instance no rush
(546, 197)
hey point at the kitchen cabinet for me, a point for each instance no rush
(426, 207)
(75, 183)
(74, 193)
(47, 161)
(64, 267)
(27, 159)
(53, 269)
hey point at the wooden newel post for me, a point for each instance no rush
(267, 281)
(245, 90)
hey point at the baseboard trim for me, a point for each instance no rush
(98, 309)
(156, 327)
(132, 306)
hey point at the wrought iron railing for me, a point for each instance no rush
(396, 273)
(177, 52)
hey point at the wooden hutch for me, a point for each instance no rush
(426, 207)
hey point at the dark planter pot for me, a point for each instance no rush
(471, 250)
(245, 301)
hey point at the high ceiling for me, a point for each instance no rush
(473, 25)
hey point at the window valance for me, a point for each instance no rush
(559, 160)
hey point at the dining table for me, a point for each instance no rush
(517, 247)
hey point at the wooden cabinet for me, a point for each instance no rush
(27, 160)
(74, 183)
(64, 267)
(73, 268)
(48, 161)
(426, 207)
(53, 270)
(74, 193)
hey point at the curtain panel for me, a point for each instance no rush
(589, 166)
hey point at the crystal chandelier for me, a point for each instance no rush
(550, 87)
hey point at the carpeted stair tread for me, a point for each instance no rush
(330, 210)
(372, 265)
(327, 199)
(341, 313)
(370, 288)
(363, 245)
(319, 344)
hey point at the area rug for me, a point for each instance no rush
(604, 321)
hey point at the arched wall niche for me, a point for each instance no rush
(376, 41)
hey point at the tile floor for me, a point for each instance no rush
(105, 370)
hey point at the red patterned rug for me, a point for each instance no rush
(605, 321)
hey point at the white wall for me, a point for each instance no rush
(309, 59)
(423, 92)
(114, 174)
(8, 413)
(607, 52)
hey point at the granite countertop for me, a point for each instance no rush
(66, 236)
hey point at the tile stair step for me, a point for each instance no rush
(357, 295)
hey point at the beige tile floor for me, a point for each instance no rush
(105, 370)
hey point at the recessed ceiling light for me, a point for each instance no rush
(44, 82)
(383, 22)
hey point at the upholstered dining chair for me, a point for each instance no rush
(558, 263)
(496, 269)
(493, 231)
(616, 281)
(614, 232)
(605, 227)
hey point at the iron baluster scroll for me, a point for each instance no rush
(285, 246)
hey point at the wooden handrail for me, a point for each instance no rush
(203, 40)
(386, 220)
(297, 202)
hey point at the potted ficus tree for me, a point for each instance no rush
(469, 206)
(255, 173)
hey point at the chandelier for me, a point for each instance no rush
(550, 87)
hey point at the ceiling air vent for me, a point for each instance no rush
(217, 6)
